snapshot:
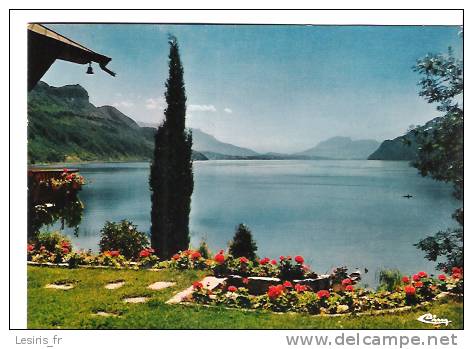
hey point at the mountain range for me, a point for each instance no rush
(64, 126)
(342, 148)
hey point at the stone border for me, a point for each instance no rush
(65, 265)
(365, 313)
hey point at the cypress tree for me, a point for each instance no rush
(171, 177)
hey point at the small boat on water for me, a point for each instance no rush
(408, 196)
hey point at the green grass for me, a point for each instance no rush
(50, 308)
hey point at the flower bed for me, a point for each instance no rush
(296, 297)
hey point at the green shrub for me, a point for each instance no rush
(51, 240)
(243, 244)
(123, 237)
(204, 249)
(389, 279)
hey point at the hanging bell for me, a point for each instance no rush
(89, 69)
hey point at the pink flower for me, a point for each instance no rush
(410, 290)
(219, 258)
(299, 259)
(275, 291)
(264, 261)
(346, 282)
(245, 281)
(196, 255)
(422, 274)
(114, 253)
(300, 288)
(244, 260)
(323, 294)
(65, 250)
(197, 285)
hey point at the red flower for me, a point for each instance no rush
(300, 288)
(405, 279)
(299, 259)
(232, 289)
(410, 290)
(419, 284)
(422, 274)
(442, 277)
(42, 248)
(415, 277)
(275, 291)
(69, 177)
(65, 250)
(65, 170)
(287, 284)
(244, 260)
(349, 288)
(274, 262)
(288, 258)
(281, 258)
(197, 285)
(219, 258)
(30, 248)
(196, 255)
(151, 250)
(144, 253)
(65, 244)
(456, 275)
(114, 253)
(346, 282)
(176, 257)
(323, 294)
(245, 281)
(264, 261)
(457, 270)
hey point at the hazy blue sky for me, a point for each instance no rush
(270, 88)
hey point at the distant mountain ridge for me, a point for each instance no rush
(64, 126)
(342, 148)
(402, 147)
(206, 143)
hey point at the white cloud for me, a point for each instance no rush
(155, 103)
(228, 110)
(202, 108)
(124, 104)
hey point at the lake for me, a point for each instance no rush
(330, 211)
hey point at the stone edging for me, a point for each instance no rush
(65, 265)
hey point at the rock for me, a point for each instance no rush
(114, 285)
(209, 282)
(320, 283)
(160, 285)
(136, 300)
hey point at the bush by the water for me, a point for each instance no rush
(123, 237)
(389, 279)
(243, 244)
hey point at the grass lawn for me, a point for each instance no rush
(71, 309)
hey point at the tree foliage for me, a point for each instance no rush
(124, 237)
(440, 149)
(171, 176)
(243, 244)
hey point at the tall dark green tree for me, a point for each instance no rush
(440, 150)
(171, 177)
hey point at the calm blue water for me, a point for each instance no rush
(331, 212)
